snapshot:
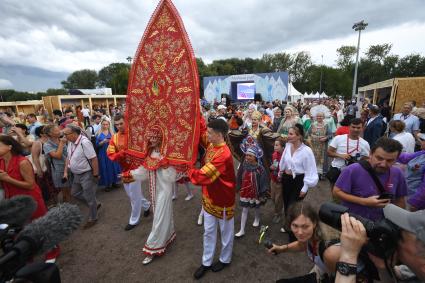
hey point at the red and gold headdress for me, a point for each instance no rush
(163, 90)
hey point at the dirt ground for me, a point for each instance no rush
(107, 253)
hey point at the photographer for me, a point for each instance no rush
(304, 222)
(347, 149)
(366, 187)
(410, 251)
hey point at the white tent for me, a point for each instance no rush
(294, 94)
(323, 95)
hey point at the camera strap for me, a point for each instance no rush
(369, 169)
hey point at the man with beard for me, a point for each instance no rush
(366, 187)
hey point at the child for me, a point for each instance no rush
(275, 184)
(251, 181)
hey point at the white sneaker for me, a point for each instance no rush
(282, 230)
(147, 260)
(53, 260)
(240, 234)
(200, 220)
(174, 197)
(188, 197)
(256, 223)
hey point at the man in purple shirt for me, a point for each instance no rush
(357, 190)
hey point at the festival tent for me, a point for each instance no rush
(324, 95)
(294, 94)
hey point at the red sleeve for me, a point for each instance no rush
(209, 172)
(112, 152)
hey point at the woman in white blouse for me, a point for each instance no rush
(297, 168)
(406, 139)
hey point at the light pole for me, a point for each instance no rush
(357, 27)
(321, 76)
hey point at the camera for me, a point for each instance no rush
(352, 159)
(383, 235)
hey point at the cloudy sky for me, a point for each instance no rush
(42, 41)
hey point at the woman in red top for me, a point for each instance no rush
(17, 178)
(16, 174)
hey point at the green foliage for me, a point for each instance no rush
(377, 53)
(345, 57)
(114, 76)
(81, 79)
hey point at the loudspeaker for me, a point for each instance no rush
(258, 97)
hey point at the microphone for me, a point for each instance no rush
(17, 211)
(54, 227)
(40, 236)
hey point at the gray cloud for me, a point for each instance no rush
(63, 36)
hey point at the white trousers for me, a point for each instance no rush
(137, 200)
(227, 228)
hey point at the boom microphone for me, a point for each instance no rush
(17, 211)
(52, 228)
(39, 237)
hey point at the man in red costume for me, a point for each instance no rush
(218, 181)
(133, 188)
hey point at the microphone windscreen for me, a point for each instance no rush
(17, 210)
(54, 227)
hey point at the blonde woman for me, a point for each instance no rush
(109, 170)
(289, 120)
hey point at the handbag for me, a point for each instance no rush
(42, 160)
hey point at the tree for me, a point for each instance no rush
(81, 79)
(378, 52)
(345, 57)
(114, 76)
(301, 63)
(412, 65)
(277, 62)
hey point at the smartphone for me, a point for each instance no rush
(64, 180)
(386, 196)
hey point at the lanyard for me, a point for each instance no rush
(404, 117)
(73, 150)
(357, 146)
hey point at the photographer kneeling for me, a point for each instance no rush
(304, 222)
(410, 250)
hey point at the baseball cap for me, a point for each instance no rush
(413, 222)
(421, 136)
(221, 107)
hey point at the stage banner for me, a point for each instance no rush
(163, 89)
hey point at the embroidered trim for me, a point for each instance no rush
(159, 251)
(211, 171)
(217, 211)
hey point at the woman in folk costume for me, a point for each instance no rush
(289, 120)
(108, 169)
(252, 182)
(256, 126)
(161, 179)
(319, 135)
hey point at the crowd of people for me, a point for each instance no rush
(371, 157)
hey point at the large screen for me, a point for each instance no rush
(245, 91)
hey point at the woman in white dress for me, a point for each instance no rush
(161, 178)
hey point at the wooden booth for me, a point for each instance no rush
(63, 102)
(396, 91)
